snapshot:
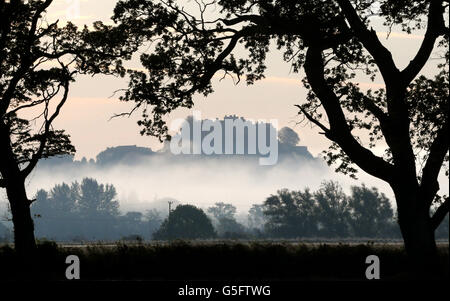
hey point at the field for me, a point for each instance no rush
(214, 260)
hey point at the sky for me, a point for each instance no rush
(92, 102)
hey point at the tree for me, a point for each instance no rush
(256, 217)
(291, 214)
(334, 43)
(329, 212)
(88, 210)
(227, 224)
(371, 212)
(221, 210)
(64, 198)
(288, 136)
(153, 219)
(38, 62)
(55, 212)
(96, 200)
(185, 222)
(332, 210)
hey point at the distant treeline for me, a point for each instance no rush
(89, 211)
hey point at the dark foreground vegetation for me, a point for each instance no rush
(215, 260)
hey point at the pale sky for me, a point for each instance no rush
(86, 116)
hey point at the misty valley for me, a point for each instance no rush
(89, 206)
(224, 148)
(124, 205)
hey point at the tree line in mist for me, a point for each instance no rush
(90, 211)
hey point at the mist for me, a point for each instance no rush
(199, 182)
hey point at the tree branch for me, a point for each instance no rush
(435, 28)
(27, 59)
(440, 214)
(313, 120)
(436, 156)
(244, 18)
(7, 96)
(375, 110)
(218, 62)
(339, 131)
(369, 39)
(397, 126)
(36, 156)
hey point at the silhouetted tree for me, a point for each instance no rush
(291, 214)
(332, 210)
(55, 212)
(97, 200)
(89, 210)
(38, 61)
(371, 212)
(185, 222)
(329, 212)
(333, 42)
(64, 198)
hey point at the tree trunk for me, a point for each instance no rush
(418, 236)
(24, 239)
(14, 183)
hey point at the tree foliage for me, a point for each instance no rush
(185, 222)
(256, 217)
(330, 213)
(371, 211)
(288, 136)
(225, 220)
(88, 211)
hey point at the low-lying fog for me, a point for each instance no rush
(202, 182)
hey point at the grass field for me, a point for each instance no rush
(214, 260)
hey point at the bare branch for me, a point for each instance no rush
(38, 154)
(313, 120)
